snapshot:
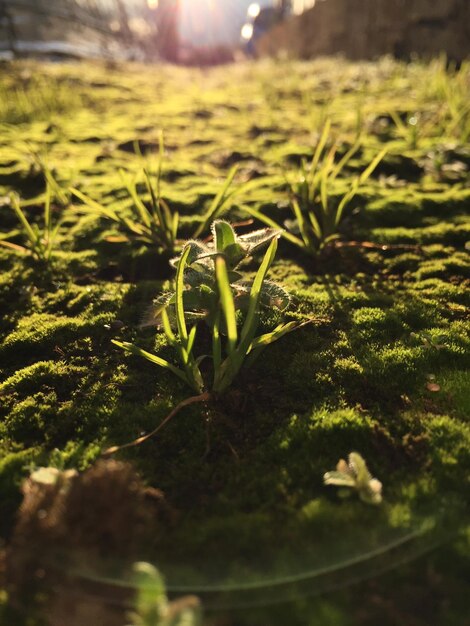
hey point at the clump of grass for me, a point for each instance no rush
(154, 223)
(448, 86)
(39, 241)
(36, 98)
(316, 217)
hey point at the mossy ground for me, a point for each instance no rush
(246, 474)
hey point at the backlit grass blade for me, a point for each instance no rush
(344, 202)
(317, 229)
(170, 335)
(155, 200)
(94, 206)
(371, 167)
(251, 321)
(216, 344)
(299, 216)
(259, 343)
(47, 212)
(13, 246)
(174, 226)
(345, 160)
(355, 187)
(153, 358)
(227, 303)
(324, 179)
(270, 222)
(161, 155)
(217, 204)
(320, 146)
(140, 208)
(179, 305)
(50, 241)
(32, 236)
(191, 339)
(271, 337)
(28, 229)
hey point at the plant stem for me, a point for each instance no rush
(203, 397)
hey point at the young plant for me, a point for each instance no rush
(209, 288)
(154, 223)
(316, 217)
(152, 607)
(39, 242)
(355, 475)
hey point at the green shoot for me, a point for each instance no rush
(39, 242)
(316, 218)
(218, 205)
(355, 475)
(151, 605)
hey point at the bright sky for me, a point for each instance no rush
(214, 21)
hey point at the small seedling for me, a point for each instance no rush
(39, 241)
(208, 287)
(152, 607)
(355, 475)
(315, 216)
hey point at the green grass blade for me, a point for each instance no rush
(170, 335)
(153, 358)
(141, 210)
(400, 125)
(355, 187)
(300, 220)
(259, 343)
(174, 227)
(371, 167)
(320, 147)
(179, 305)
(345, 160)
(13, 246)
(155, 201)
(28, 230)
(217, 204)
(191, 339)
(95, 207)
(345, 200)
(161, 156)
(47, 212)
(270, 222)
(216, 345)
(317, 229)
(227, 303)
(251, 321)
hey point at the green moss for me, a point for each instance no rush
(246, 470)
(40, 333)
(450, 445)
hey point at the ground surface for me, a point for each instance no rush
(382, 370)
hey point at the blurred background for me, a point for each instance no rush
(214, 31)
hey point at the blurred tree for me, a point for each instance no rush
(168, 12)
